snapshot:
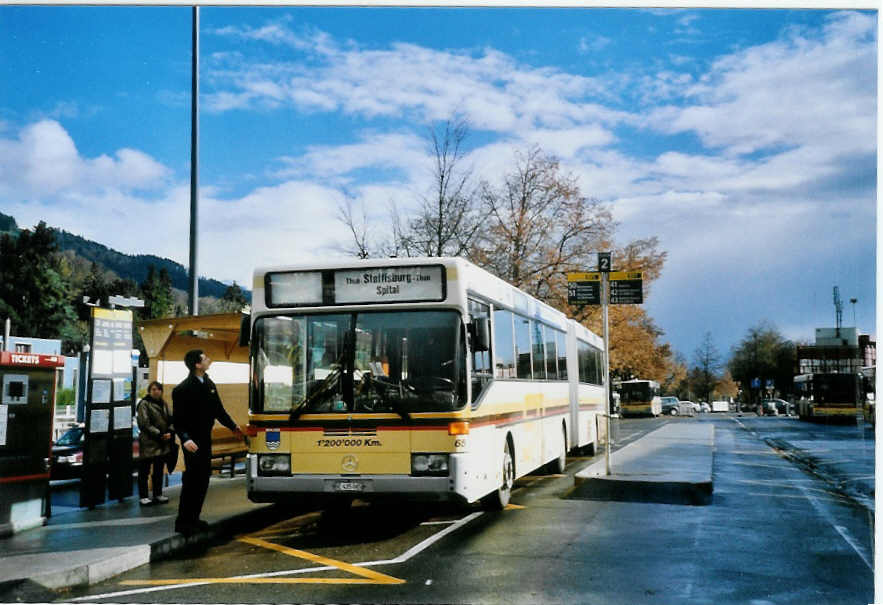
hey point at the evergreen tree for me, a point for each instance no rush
(234, 299)
(34, 292)
(157, 293)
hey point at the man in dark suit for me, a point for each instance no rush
(196, 406)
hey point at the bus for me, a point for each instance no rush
(827, 396)
(640, 397)
(869, 388)
(419, 378)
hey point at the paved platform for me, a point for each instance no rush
(671, 465)
(82, 547)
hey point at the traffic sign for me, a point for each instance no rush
(626, 275)
(583, 288)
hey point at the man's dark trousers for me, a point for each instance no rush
(194, 484)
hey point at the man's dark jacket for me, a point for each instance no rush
(196, 405)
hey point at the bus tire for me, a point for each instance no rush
(499, 498)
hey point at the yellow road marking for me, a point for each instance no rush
(367, 576)
(514, 507)
(377, 577)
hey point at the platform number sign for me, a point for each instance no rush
(604, 262)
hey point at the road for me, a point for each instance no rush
(774, 533)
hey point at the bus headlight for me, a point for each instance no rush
(274, 464)
(429, 464)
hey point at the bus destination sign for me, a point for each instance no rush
(584, 288)
(626, 287)
(389, 284)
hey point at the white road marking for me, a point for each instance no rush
(844, 533)
(411, 552)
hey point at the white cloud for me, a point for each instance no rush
(800, 90)
(44, 161)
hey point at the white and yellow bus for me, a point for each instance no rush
(640, 397)
(417, 378)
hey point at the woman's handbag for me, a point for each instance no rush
(172, 457)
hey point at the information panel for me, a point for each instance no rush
(389, 284)
(583, 288)
(626, 287)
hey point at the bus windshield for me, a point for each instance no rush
(832, 388)
(398, 362)
(636, 392)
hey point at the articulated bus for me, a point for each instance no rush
(827, 396)
(422, 378)
(640, 397)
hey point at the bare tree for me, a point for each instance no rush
(446, 222)
(358, 228)
(539, 226)
(707, 365)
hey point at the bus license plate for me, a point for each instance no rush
(350, 486)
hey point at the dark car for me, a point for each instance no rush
(67, 453)
(673, 407)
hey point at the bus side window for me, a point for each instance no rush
(504, 344)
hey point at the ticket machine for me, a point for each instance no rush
(27, 405)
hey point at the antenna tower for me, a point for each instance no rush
(838, 309)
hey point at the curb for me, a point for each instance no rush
(618, 489)
(661, 488)
(117, 560)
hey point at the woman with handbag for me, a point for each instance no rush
(156, 442)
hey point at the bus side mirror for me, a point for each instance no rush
(480, 334)
(245, 331)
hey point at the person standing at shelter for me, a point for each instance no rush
(154, 442)
(196, 406)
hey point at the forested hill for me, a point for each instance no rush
(135, 267)
(124, 265)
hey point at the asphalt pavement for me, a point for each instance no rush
(771, 533)
(80, 547)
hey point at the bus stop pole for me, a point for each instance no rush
(605, 296)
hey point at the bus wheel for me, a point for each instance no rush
(556, 466)
(498, 499)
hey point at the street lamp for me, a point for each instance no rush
(853, 301)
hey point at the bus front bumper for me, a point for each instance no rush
(366, 487)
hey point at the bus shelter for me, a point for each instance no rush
(167, 340)
(27, 406)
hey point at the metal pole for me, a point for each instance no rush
(194, 164)
(605, 296)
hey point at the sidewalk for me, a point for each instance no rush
(81, 546)
(671, 465)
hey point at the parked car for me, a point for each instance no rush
(770, 407)
(705, 408)
(67, 452)
(673, 407)
(696, 407)
(783, 407)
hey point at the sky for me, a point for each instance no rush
(745, 140)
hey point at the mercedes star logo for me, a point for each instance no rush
(350, 463)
